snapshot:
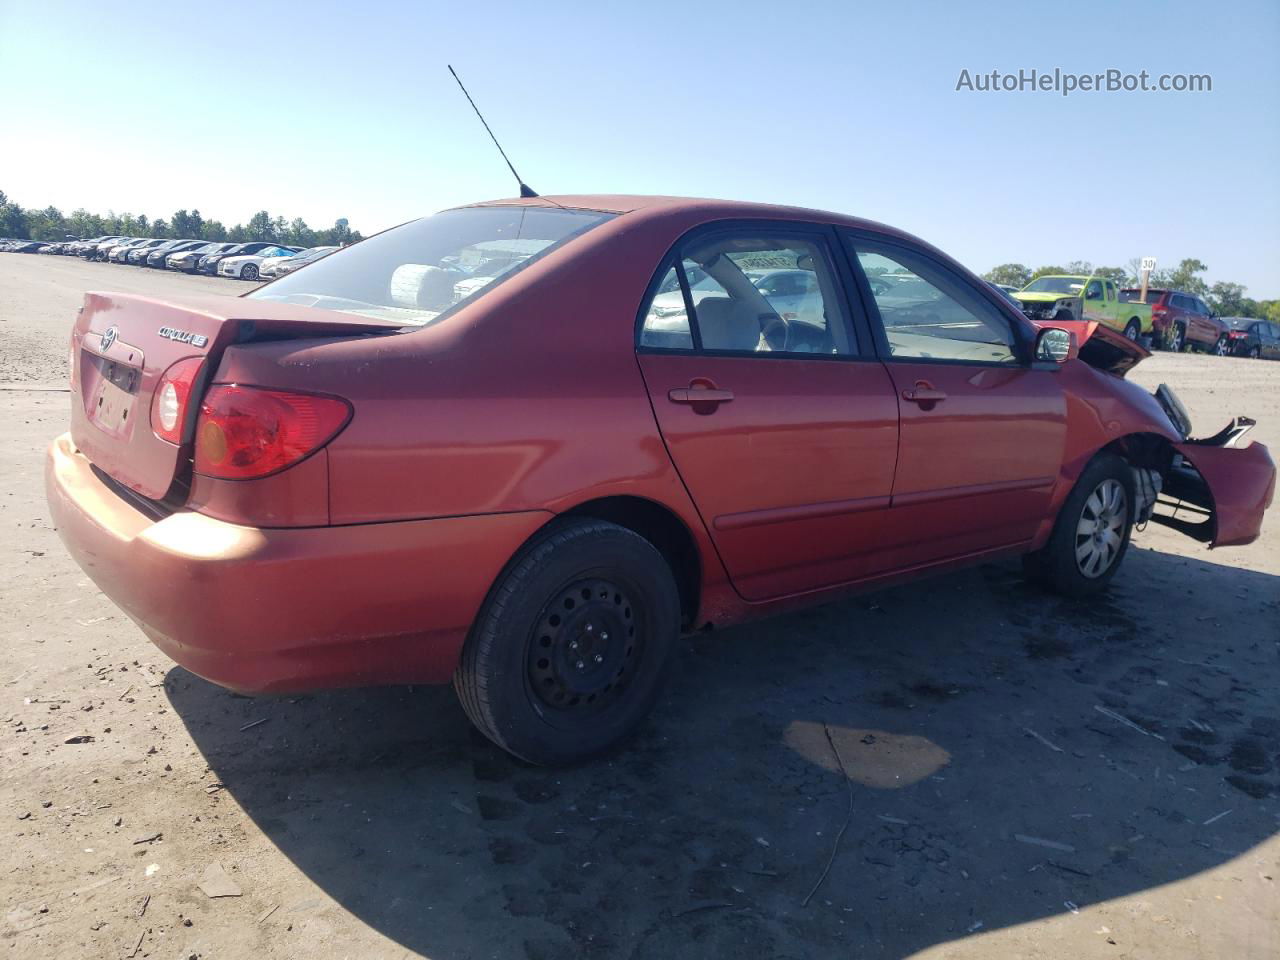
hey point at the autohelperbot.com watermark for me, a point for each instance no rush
(1065, 83)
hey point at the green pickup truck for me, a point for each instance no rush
(1046, 299)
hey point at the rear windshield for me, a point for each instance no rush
(1068, 285)
(1135, 296)
(419, 272)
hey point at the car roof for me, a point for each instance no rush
(707, 207)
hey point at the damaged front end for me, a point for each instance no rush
(1212, 489)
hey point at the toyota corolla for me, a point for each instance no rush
(507, 446)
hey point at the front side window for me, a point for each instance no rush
(928, 313)
(1093, 291)
(419, 272)
(750, 293)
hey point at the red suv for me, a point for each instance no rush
(1181, 321)
(524, 445)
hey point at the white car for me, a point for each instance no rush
(279, 266)
(249, 267)
(118, 254)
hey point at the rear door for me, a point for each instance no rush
(780, 421)
(982, 434)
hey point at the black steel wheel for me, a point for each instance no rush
(569, 651)
(582, 645)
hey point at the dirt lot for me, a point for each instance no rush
(1029, 777)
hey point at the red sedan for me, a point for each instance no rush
(524, 445)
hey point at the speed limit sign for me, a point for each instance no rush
(1148, 263)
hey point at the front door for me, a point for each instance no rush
(779, 419)
(1095, 305)
(982, 433)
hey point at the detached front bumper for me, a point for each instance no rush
(283, 610)
(1222, 499)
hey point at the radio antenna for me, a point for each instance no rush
(525, 189)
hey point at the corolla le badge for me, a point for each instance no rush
(108, 338)
(184, 336)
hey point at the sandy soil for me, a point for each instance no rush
(1000, 805)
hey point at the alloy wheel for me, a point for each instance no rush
(1100, 530)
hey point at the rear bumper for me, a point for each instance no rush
(284, 610)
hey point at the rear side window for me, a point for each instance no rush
(422, 271)
(750, 293)
(930, 314)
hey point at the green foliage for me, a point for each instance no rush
(1186, 277)
(1013, 274)
(1082, 267)
(51, 224)
(1118, 275)
(1048, 272)
(1228, 300)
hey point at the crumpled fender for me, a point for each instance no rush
(1242, 483)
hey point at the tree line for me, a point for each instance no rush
(1224, 298)
(52, 224)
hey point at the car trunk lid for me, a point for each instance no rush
(122, 345)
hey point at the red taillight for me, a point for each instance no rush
(1237, 334)
(1158, 310)
(247, 432)
(169, 402)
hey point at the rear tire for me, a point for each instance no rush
(1133, 329)
(1220, 348)
(1091, 534)
(1255, 353)
(570, 649)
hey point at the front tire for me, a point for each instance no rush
(248, 272)
(569, 651)
(1091, 534)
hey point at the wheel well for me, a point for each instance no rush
(1142, 450)
(665, 531)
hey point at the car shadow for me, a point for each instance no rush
(1007, 751)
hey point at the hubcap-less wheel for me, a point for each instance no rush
(1133, 330)
(1256, 353)
(1175, 343)
(582, 647)
(1100, 532)
(249, 272)
(1220, 348)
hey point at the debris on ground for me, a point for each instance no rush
(215, 882)
(1041, 842)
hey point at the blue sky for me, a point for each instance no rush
(324, 110)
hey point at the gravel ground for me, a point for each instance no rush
(1029, 777)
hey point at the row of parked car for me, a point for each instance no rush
(256, 260)
(1163, 319)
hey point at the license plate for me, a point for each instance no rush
(110, 404)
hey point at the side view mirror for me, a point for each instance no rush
(1055, 345)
